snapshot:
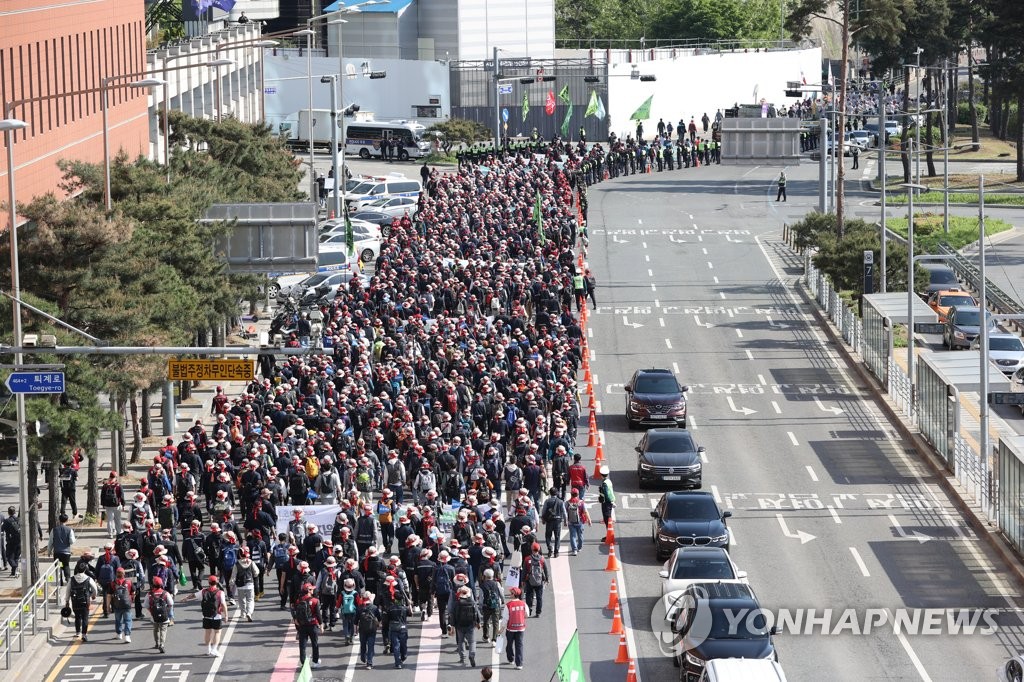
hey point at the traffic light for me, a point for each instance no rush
(375, 75)
(647, 79)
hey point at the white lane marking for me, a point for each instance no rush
(590, 332)
(750, 356)
(810, 472)
(653, 288)
(760, 380)
(691, 423)
(675, 367)
(835, 514)
(704, 457)
(668, 343)
(710, 266)
(715, 279)
(657, 303)
(691, 216)
(645, 244)
(700, 238)
(910, 652)
(792, 437)
(775, 405)
(212, 675)
(593, 355)
(694, 225)
(597, 406)
(661, 321)
(593, 378)
(739, 333)
(732, 538)
(705, 251)
(650, 273)
(647, 257)
(715, 494)
(860, 562)
(721, 294)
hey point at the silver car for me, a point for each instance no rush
(1005, 351)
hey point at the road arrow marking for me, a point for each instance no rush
(672, 238)
(615, 238)
(773, 323)
(707, 325)
(634, 325)
(915, 535)
(826, 408)
(745, 410)
(734, 241)
(800, 535)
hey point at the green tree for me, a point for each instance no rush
(460, 131)
(1004, 30)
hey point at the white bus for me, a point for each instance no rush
(363, 138)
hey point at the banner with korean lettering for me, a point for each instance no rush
(322, 515)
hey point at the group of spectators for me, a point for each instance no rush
(439, 414)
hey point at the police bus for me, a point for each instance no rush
(364, 138)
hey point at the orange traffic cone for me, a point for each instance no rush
(617, 628)
(613, 565)
(613, 596)
(591, 438)
(592, 424)
(590, 391)
(586, 374)
(598, 458)
(330, 215)
(631, 672)
(623, 655)
(609, 535)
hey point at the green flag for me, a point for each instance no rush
(644, 112)
(570, 666)
(592, 104)
(350, 240)
(563, 94)
(540, 220)
(306, 675)
(565, 121)
(526, 105)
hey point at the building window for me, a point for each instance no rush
(426, 111)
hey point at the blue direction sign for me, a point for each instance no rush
(504, 115)
(35, 382)
(504, 89)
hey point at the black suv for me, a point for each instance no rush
(718, 620)
(669, 456)
(654, 397)
(688, 518)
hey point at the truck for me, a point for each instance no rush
(298, 136)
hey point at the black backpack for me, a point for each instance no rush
(158, 606)
(122, 599)
(209, 602)
(442, 580)
(465, 612)
(80, 594)
(297, 485)
(367, 620)
(108, 495)
(303, 612)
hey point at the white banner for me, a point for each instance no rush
(322, 515)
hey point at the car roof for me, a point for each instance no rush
(964, 308)
(1002, 335)
(948, 292)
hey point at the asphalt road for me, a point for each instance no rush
(692, 276)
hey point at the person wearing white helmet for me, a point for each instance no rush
(606, 495)
(465, 620)
(442, 585)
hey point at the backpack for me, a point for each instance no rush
(535, 573)
(105, 573)
(108, 495)
(453, 486)
(80, 594)
(256, 553)
(427, 480)
(367, 621)
(465, 612)
(304, 612)
(326, 483)
(442, 581)
(572, 512)
(491, 600)
(330, 586)
(363, 480)
(122, 599)
(228, 556)
(395, 614)
(515, 480)
(209, 602)
(296, 485)
(280, 555)
(158, 606)
(348, 602)
(166, 517)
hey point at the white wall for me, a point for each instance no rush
(408, 83)
(688, 86)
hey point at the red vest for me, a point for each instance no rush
(516, 616)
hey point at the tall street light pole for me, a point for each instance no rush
(332, 80)
(9, 126)
(308, 32)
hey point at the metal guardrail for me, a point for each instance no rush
(45, 595)
(998, 300)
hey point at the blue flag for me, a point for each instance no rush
(201, 6)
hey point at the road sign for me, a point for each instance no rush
(505, 89)
(504, 115)
(213, 370)
(35, 382)
(1006, 398)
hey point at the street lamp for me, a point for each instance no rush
(309, 33)
(911, 264)
(333, 81)
(9, 126)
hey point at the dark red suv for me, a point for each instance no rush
(654, 397)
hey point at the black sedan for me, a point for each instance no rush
(669, 456)
(688, 518)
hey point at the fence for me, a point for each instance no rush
(44, 595)
(998, 300)
(975, 474)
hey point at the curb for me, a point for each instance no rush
(926, 454)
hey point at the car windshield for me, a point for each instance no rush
(652, 383)
(670, 442)
(363, 188)
(708, 568)
(691, 507)
(942, 276)
(960, 299)
(314, 280)
(723, 626)
(970, 318)
(1005, 343)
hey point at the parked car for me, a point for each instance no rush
(689, 565)
(862, 139)
(1005, 351)
(376, 217)
(394, 206)
(944, 299)
(686, 519)
(669, 456)
(368, 248)
(653, 396)
(709, 630)
(940, 278)
(963, 324)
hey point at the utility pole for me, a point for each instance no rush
(497, 101)
(838, 141)
(882, 117)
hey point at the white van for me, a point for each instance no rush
(742, 670)
(371, 190)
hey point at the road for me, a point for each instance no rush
(795, 444)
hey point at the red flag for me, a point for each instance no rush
(549, 103)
